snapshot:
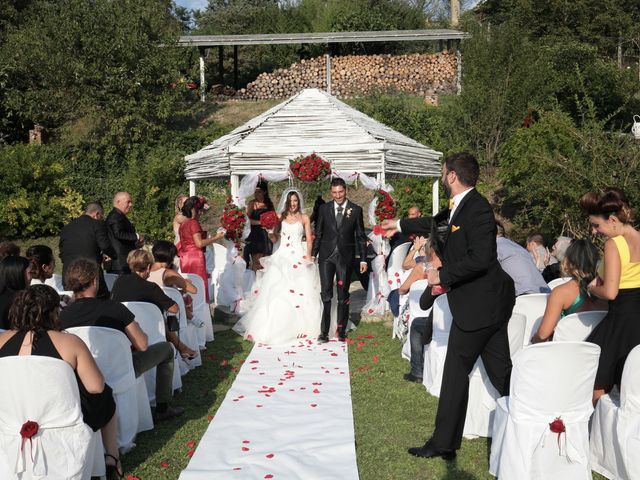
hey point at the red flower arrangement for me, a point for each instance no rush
(269, 220)
(233, 220)
(310, 168)
(386, 208)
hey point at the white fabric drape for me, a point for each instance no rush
(249, 182)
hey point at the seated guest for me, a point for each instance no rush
(399, 238)
(82, 277)
(518, 264)
(580, 263)
(552, 271)
(42, 263)
(164, 274)
(8, 249)
(135, 287)
(35, 330)
(538, 250)
(416, 254)
(15, 275)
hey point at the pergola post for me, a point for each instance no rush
(235, 185)
(435, 196)
(328, 68)
(203, 84)
(458, 71)
(192, 188)
(235, 67)
(383, 173)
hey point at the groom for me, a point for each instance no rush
(339, 232)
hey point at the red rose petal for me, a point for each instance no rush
(375, 359)
(164, 464)
(315, 390)
(245, 449)
(340, 282)
(209, 417)
(313, 405)
(191, 444)
(269, 455)
(295, 266)
(246, 441)
(190, 453)
(268, 475)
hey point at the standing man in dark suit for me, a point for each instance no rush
(122, 234)
(481, 299)
(87, 237)
(339, 233)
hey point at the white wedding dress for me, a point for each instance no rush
(285, 302)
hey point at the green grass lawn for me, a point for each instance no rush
(390, 415)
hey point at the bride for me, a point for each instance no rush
(286, 302)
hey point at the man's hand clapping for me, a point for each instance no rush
(390, 227)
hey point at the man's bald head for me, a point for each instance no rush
(122, 201)
(414, 212)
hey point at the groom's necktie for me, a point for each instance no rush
(339, 215)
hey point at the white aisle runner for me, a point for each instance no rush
(287, 416)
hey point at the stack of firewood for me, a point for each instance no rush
(353, 75)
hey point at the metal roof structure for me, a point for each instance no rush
(325, 37)
(313, 121)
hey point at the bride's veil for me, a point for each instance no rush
(283, 199)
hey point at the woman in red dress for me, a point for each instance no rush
(192, 241)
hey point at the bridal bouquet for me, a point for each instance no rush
(269, 220)
(385, 208)
(233, 221)
(309, 168)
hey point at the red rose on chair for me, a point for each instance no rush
(29, 429)
(557, 426)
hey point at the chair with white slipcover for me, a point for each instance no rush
(201, 312)
(414, 311)
(576, 327)
(44, 390)
(532, 306)
(151, 321)
(437, 350)
(219, 264)
(111, 350)
(187, 333)
(556, 282)
(540, 430)
(615, 426)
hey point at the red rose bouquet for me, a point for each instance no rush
(233, 220)
(385, 208)
(310, 168)
(269, 220)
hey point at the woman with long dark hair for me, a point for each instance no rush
(36, 330)
(286, 304)
(15, 275)
(580, 263)
(43, 263)
(258, 243)
(618, 282)
(193, 241)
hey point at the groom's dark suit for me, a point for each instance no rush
(481, 299)
(335, 247)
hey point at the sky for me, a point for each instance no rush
(193, 4)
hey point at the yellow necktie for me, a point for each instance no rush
(451, 203)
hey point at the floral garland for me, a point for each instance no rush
(233, 220)
(385, 208)
(310, 168)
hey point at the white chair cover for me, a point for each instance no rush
(482, 394)
(557, 282)
(219, 258)
(410, 309)
(151, 321)
(55, 281)
(532, 306)
(415, 292)
(110, 279)
(615, 426)
(187, 332)
(111, 350)
(378, 290)
(549, 381)
(43, 390)
(437, 351)
(231, 281)
(201, 312)
(577, 326)
(394, 266)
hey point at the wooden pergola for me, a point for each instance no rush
(204, 42)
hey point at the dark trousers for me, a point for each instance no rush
(333, 268)
(159, 355)
(492, 345)
(421, 333)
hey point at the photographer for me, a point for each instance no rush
(82, 277)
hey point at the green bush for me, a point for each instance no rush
(35, 193)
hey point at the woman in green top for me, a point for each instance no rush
(580, 263)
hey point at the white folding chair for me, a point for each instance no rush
(394, 266)
(577, 326)
(540, 430)
(111, 350)
(187, 332)
(556, 282)
(201, 312)
(110, 279)
(437, 350)
(532, 306)
(151, 321)
(44, 390)
(55, 281)
(615, 426)
(219, 264)
(231, 282)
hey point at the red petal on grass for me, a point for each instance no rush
(131, 477)
(190, 453)
(191, 444)
(164, 464)
(209, 417)
(375, 359)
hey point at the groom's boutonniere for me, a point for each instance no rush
(349, 210)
